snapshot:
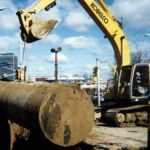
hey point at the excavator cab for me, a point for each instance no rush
(33, 28)
(140, 83)
(134, 83)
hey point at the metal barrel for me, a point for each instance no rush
(63, 113)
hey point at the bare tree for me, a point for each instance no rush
(141, 56)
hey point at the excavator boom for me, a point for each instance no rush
(109, 25)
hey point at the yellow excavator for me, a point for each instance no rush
(129, 102)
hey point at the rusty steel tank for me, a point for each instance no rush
(64, 114)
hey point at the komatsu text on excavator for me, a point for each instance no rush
(128, 104)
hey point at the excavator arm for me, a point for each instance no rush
(33, 28)
(43, 4)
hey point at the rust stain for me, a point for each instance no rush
(51, 120)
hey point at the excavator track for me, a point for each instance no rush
(126, 116)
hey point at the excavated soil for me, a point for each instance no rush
(38, 29)
(41, 28)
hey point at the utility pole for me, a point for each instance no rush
(98, 82)
(56, 61)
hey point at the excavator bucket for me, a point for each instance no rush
(40, 29)
(33, 28)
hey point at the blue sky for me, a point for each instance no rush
(81, 40)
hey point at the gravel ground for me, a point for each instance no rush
(104, 137)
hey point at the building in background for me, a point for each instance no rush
(68, 79)
(8, 66)
(41, 79)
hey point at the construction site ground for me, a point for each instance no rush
(101, 137)
(129, 138)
